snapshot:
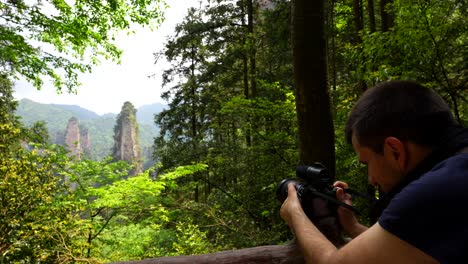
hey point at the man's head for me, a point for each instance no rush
(402, 109)
(393, 126)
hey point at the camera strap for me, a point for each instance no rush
(335, 201)
(454, 142)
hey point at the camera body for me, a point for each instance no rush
(314, 190)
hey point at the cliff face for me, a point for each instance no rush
(72, 138)
(85, 141)
(76, 138)
(126, 145)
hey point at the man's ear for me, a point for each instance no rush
(395, 150)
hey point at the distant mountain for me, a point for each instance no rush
(145, 113)
(109, 115)
(54, 115)
(78, 111)
(101, 128)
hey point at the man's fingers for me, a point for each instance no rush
(291, 189)
(342, 196)
(340, 184)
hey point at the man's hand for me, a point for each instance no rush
(348, 220)
(291, 207)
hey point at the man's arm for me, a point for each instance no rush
(375, 245)
(348, 220)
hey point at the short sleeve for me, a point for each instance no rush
(430, 213)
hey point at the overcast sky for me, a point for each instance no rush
(110, 85)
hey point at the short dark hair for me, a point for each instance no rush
(402, 109)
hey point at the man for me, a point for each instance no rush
(417, 154)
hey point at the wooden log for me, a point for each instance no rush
(279, 254)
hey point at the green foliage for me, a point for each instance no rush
(131, 242)
(7, 103)
(129, 194)
(38, 133)
(32, 227)
(242, 128)
(100, 131)
(58, 39)
(348, 168)
(191, 241)
(125, 217)
(427, 43)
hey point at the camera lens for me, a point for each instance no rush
(282, 189)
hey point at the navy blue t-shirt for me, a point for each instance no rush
(431, 212)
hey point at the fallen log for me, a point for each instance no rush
(278, 254)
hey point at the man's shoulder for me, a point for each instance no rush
(441, 190)
(450, 170)
(426, 213)
(460, 157)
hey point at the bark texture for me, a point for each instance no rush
(316, 133)
(284, 254)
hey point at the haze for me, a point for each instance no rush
(110, 85)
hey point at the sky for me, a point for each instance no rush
(110, 85)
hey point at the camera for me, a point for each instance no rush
(315, 191)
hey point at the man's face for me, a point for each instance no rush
(381, 168)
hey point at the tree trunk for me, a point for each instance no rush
(286, 254)
(386, 15)
(371, 12)
(332, 45)
(358, 19)
(252, 50)
(245, 64)
(316, 133)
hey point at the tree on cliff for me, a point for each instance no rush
(126, 145)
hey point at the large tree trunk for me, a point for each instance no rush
(332, 72)
(358, 19)
(245, 64)
(286, 254)
(252, 50)
(386, 15)
(370, 11)
(316, 133)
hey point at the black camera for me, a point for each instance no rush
(315, 191)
